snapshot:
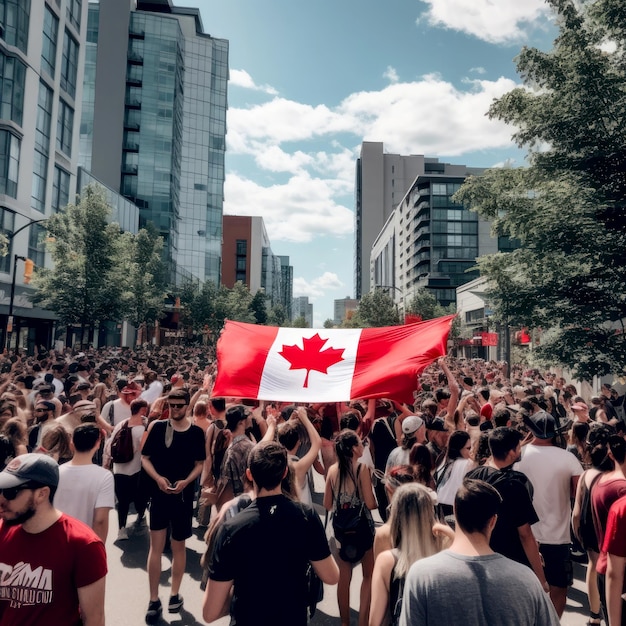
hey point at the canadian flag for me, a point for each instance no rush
(319, 365)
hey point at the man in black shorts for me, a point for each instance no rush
(264, 551)
(172, 455)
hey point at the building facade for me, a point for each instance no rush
(247, 257)
(301, 307)
(343, 307)
(429, 241)
(286, 272)
(42, 50)
(153, 124)
(381, 182)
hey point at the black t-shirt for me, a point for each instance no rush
(265, 550)
(515, 511)
(384, 441)
(177, 461)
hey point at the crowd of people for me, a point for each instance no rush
(468, 504)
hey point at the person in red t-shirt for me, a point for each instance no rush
(53, 567)
(614, 550)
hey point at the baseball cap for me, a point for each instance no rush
(541, 424)
(32, 467)
(437, 424)
(411, 424)
(131, 388)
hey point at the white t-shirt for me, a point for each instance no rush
(82, 489)
(550, 470)
(447, 492)
(121, 411)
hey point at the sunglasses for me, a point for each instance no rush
(12, 492)
(177, 406)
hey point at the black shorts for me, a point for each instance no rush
(175, 510)
(558, 566)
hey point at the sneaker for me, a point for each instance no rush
(122, 535)
(154, 612)
(175, 604)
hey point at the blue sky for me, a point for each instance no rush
(311, 80)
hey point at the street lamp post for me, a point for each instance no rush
(16, 258)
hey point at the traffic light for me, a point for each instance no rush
(28, 270)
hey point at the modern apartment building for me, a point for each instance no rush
(247, 257)
(301, 307)
(42, 48)
(153, 123)
(381, 181)
(429, 241)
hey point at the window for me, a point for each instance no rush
(12, 75)
(40, 177)
(7, 226)
(74, 8)
(44, 119)
(65, 126)
(49, 46)
(9, 163)
(36, 248)
(69, 64)
(439, 189)
(242, 247)
(14, 17)
(60, 189)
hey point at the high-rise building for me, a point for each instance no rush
(42, 47)
(381, 182)
(153, 123)
(343, 308)
(301, 307)
(429, 241)
(286, 271)
(247, 257)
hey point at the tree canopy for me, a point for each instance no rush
(99, 273)
(566, 207)
(376, 309)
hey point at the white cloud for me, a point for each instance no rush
(494, 21)
(298, 210)
(391, 75)
(241, 78)
(429, 116)
(328, 281)
(478, 70)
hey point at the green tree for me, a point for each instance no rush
(424, 304)
(258, 306)
(237, 303)
(566, 208)
(329, 323)
(142, 274)
(300, 322)
(277, 316)
(376, 308)
(83, 288)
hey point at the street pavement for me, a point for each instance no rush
(127, 584)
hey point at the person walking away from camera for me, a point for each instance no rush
(457, 586)
(86, 490)
(349, 485)
(274, 538)
(553, 473)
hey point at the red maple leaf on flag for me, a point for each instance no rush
(311, 356)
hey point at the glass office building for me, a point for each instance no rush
(153, 124)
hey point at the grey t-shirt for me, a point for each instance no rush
(450, 588)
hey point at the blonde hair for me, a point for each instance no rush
(411, 521)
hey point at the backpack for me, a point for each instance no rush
(122, 448)
(314, 590)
